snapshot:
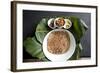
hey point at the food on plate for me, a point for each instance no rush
(51, 23)
(59, 22)
(58, 42)
(68, 24)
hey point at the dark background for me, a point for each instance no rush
(31, 19)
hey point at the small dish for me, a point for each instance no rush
(59, 23)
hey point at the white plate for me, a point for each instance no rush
(60, 57)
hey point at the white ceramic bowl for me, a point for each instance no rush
(59, 57)
(66, 25)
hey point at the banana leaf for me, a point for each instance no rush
(78, 28)
(33, 45)
(77, 53)
(34, 48)
(42, 29)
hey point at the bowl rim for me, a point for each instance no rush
(59, 57)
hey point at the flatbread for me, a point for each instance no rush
(58, 42)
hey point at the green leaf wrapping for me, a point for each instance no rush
(33, 45)
(41, 30)
(34, 48)
(40, 36)
(77, 53)
(78, 29)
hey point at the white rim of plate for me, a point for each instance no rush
(59, 57)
